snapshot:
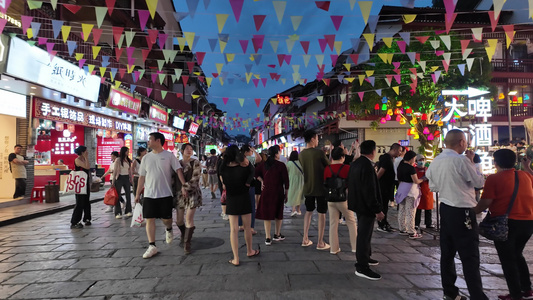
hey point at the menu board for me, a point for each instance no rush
(104, 148)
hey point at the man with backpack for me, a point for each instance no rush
(212, 172)
(335, 179)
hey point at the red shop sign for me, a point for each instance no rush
(158, 114)
(193, 128)
(169, 136)
(123, 101)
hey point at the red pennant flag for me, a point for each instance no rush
(355, 58)
(149, 42)
(215, 75)
(336, 21)
(201, 78)
(122, 71)
(118, 53)
(422, 39)
(271, 66)
(281, 57)
(117, 32)
(200, 57)
(509, 29)
(273, 75)
(330, 38)
(288, 59)
(413, 70)
(464, 44)
(225, 100)
(324, 5)
(190, 65)
(257, 101)
(321, 68)
(145, 53)
(326, 81)
(110, 6)
(236, 6)
(493, 20)
(334, 58)
(305, 46)
(72, 8)
(152, 33)
(258, 20)
(97, 33)
(417, 57)
(322, 43)
(179, 95)
(185, 79)
(257, 41)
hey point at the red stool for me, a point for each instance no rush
(37, 194)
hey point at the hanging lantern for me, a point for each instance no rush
(413, 130)
(60, 126)
(416, 136)
(402, 121)
(384, 107)
(424, 117)
(384, 100)
(388, 117)
(383, 121)
(71, 128)
(501, 96)
(409, 132)
(409, 110)
(389, 112)
(431, 137)
(414, 121)
(399, 103)
(398, 118)
(377, 106)
(452, 120)
(426, 130)
(397, 111)
(440, 123)
(436, 133)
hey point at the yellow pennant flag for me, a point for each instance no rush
(102, 71)
(306, 57)
(257, 76)
(65, 31)
(350, 79)
(361, 79)
(91, 68)
(230, 56)
(387, 41)
(152, 5)
(78, 56)
(389, 57)
(274, 100)
(117, 84)
(195, 96)
(219, 68)
(365, 7)
(396, 89)
(509, 37)
(130, 69)
(189, 37)
(383, 57)
(296, 20)
(248, 77)
(434, 68)
(241, 101)
(181, 43)
(221, 80)
(96, 50)
(222, 46)
(369, 37)
(29, 33)
(86, 29)
(338, 47)
(279, 7)
(208, 80)
(491, 48)
(347, 66)
(320, 59)
(221, 21)
(408, 18)
(369, 73)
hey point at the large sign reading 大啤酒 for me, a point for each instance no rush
(63, 113)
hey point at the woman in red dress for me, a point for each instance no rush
(274, 180)
(426, 198)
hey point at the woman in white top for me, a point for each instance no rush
(122, 178)
(114, 156)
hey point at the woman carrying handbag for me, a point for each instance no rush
(83, 204)
(122, 178)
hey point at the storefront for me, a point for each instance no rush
(61, 128)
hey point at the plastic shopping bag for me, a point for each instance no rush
(111, 196)
(137, 219)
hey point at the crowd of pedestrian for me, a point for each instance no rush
(348, 184)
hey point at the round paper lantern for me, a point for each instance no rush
(409, 110)
(384, 107)
(398, 118)
(399, 103)
(416, 136)
(431, 137)
(424, 117)
(402, 121)
(440, 123)
(389, 112)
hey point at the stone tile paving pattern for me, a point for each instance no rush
(43, 258)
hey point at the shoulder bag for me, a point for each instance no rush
(497, 228)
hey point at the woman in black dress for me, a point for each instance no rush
(83, 205)
(236, 179)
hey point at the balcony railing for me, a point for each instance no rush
(516, 111)
(512, 65)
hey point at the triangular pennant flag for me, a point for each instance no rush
(319, 59)
(498, 5)
(86, 30)
(408, 18)
(152, 5)
(477, 34)
(383, 57)
(338, 47)
(102, 71)
(161, 78)
(446, 65)
(369, 73)
(435, 44)
(411, 56)
(397, 64)
(230, 57)
(72, 7)
(369, 37)
(354, 58)
(469, 62)
(33, 4)
(56, 26)
(347, 66)
(422, 39)
(324, 5)
(189, 37)
(71, 45)
(257, 41)
(236, 6)
(100, 12)
(334, 59)
(396, 89)
(371, 80)
(35, 28)
(162, 40)
(435, 76)
(296, 20)
(388, 79)
(225, 100)
(330, 39)
(378, 91)
(365, 7)
(450, 6)
(446, 40)
(143, 18)
(129, 37)
(212, 44)
(257, 101)
(449, 22)
(355, 44)
(422, 65)
(241, 101)
(320, 98)
(192, 5)
(279, 7)
(491, 48)
(117, 32)
(184, 79)
(461, 68)
(160, 64)
(221, 21)
(96, 50)
(163, 94)
(398, 78)
(244, 45)
(361, 79)
(258, 20)
(110, 4)
(336, 21)
(464, 44)
(509, 34)
(65, 32)
(180, 16)
(290, 44)
(3, 24)
(387, 41)
(200, 57)
(406, 37)
(401, 45)
(361, 95)
(306, 59)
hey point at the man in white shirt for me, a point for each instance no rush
(155, 177)
(454, 177)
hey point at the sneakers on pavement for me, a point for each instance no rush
(403, 232)
(151, 251)
(76, 226)
(373, 262)
(389, 229)
(415, 236)
(128, 215)
(108, 209)
(294, 213)
(527, 295)
(268, 242)
(381, 229)
(368, 274)
(225, 217)
(278, 238)
(118, 216)
(88, 223)
(169, 236)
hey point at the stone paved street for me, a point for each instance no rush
(44, 259)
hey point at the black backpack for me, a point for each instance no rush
(336, 187)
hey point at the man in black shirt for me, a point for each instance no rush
(386, 176)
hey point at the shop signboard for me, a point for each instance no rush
(158, 114)
(169, 136)
(104, 148)
(49, 110)
(181, 137)
(128, 142)
(12, 104)
(193, 128)
(142, 133)
(34, 65)
(123, 101)
(178, 122)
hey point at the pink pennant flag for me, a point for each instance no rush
(236, 6)
(273, 75)
(258, 20)
(449, 22)
(288, 59)
(398, 78)
(304, 99)
(334, 58)
(40, 41)
(81, 62)
(264, 81)
(163, 37)
(3, 24)
(464, 44)
(129, 51)
(281, 57)
(72, 8)
(49, 47)
(257, 41)
(118, 53)
(445, 65)
(26, 23)
(190, 65)
(330, 38)
(143, 18)
(131, 61)
(396, 64)
(305, 46)
(244, 45)
(401, 45)
(361, 94)
(152, 34)
(322, 43)
(336, 21)
(493, 19)
(185, 79)
(148, 91)
(450, 6)
(200, 57)
(439, 52)
(389, 79)
(255, 81)
(110, 6)
(97, 33)
(145, 53)
(324, 5)
(422, 39)
(413, 70)
(136, 75)
(117, 32)
(355, 58)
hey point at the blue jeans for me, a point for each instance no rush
(251, 193)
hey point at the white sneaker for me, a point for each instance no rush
(151, 251)
(128, 215)
(169, 236)
(225, 217)
(294, 213)
(109, 209)
(118, 216)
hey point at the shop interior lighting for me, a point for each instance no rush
(33, 88)
(7, 87)
(512, 93)
(32, 94)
